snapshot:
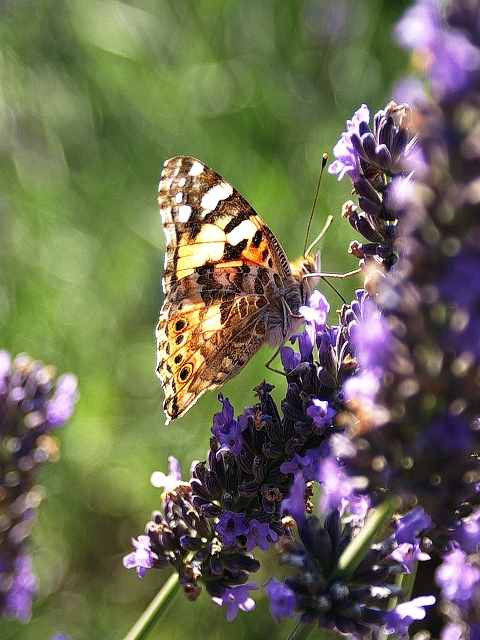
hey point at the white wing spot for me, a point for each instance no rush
(184, 213)
(179, 197)
(196, 169)
(182, 182)
(213, 196)
(243, 231)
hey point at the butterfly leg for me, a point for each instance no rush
(290, 320)
(341, 276)
(282, 373)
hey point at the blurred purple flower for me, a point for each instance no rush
(399, 619)
(458, 579)
(32, 403)
(464, 268)
(21, 591)
(448, 55)
(60, 408)
(337, 487)
(282, 600)
(468, 532)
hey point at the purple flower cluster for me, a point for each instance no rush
(448, 56)
(376, 162)
(258, 483)
(32, 404)
(415, 405)
(381, 408)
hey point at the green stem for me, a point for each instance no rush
(302, 632)
(376, 522)
(155, 610)
(359, 546)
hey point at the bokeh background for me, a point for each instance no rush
(94, 96)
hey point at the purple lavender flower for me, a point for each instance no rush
(169, 482)
(282, 600)
(321, 592)
(415, 400)
(236, 598)
(374, 160)
(294, 505)
(142, 558)
(299, 464)
(315, 314)
(449, 57)
(61, 406)
(408, 554)
(290, 358)
(337, 487)
(458, 579)
(230, 526)
(227, 430)
(465, 333)
(21, 591)
(410, 525)
(260, 535)
(32, 403)
(321, 413)
(347, 157)
(467, 533)
(399, 619)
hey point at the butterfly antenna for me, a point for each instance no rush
(305, 251)
(320, 235)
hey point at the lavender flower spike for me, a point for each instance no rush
(32, 404)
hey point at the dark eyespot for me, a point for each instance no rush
(178, 358)
(184, 373)
(180, 325)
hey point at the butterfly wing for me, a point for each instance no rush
(206, 221)
(202, 346)
(225, 283)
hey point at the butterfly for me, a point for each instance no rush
(229, 287)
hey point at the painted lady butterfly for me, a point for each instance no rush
(229, 287)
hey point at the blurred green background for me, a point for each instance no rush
(94, 96)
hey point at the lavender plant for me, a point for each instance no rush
(381, 410)
(33, 404)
